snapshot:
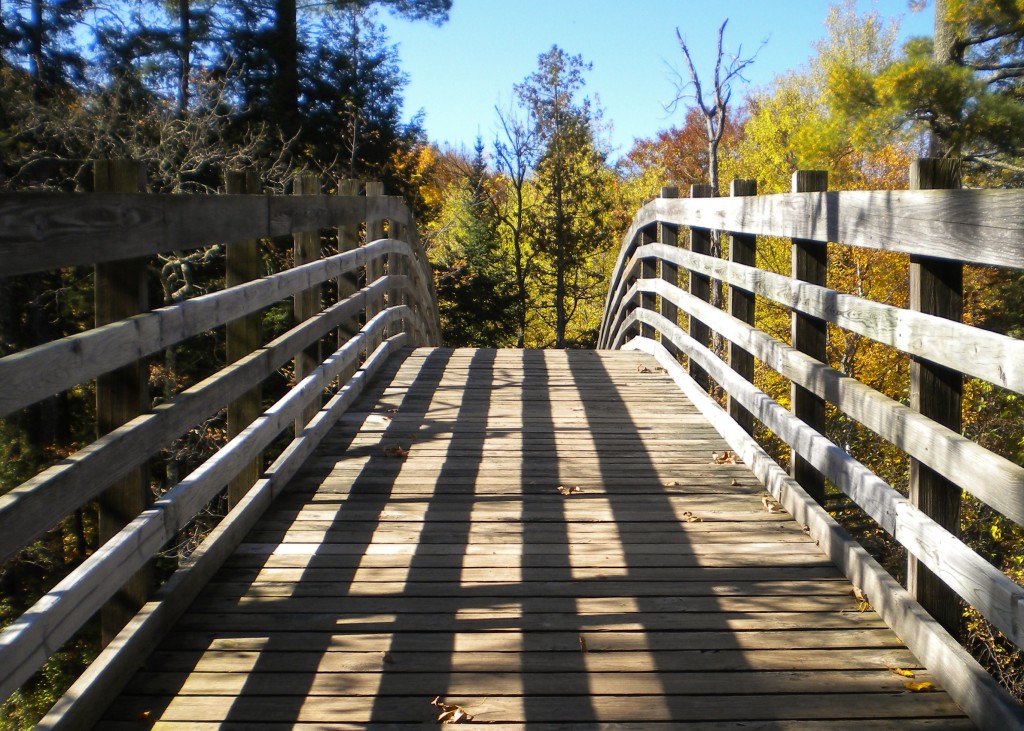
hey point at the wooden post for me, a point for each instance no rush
(810, 336)
(348, 284)
(648, 270)
(936, 288)
(375, 268)
(306, 304)
(242, 336)
(669, 235)
(741, 305)
(700, 286)
(121, 395)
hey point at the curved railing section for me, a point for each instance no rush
(656, 280)
(392, 305)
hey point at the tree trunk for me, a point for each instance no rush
(285, 52)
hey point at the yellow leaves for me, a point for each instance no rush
(574, 489)
(862, 599)
(450, 713)
(922, 686)
(902, 672)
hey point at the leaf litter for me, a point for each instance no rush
(450, 713)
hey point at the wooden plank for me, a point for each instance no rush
(969, 684)
(307, 303)
(809, 336)
(41, 231)
(242, 263)
(669, 236)
(988, 476)
(648, 269)
(700, 285)
(40, 503)
(742, 251)
(936, 288)
(50, 368)
(121, 291)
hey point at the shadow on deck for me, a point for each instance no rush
(427, 550)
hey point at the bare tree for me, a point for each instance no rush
(714, 110)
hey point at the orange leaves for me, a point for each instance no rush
(396, 451)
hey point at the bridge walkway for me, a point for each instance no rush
(539, 539)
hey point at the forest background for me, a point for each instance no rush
(522, 230)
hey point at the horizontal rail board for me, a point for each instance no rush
(29, 640)
(47, 369)
(980, 353)
(993, 479)
(34, 507)
(982, 585)
(43, 231)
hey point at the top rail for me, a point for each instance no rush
(42, 231)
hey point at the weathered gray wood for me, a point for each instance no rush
(374, 231)
(743, 251)
(82, 706)
(121, 292)
(936, 288)
(809, 336)
(40, 503)
(648, 269)
(307, 303)
(988, 476)
(47, 369)
(969, 684)
(981, 353)
(27, 643)
(971, 576)
(41, 231)
(242, 263)
(348, 283)
(700, 285)
(669, 236)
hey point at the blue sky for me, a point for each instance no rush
(458, 72)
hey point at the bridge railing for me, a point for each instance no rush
(940, 229)
(389, 302)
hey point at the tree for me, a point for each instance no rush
(572, 218)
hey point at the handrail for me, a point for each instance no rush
(43, 231)
(934, 224)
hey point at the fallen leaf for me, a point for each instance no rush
(145, 715)
(806, 529)
(583, 644)
(450, 713)
(726, 457)
(691, 518)
(393, 410)
(643, 369)
(734, 483)
(901, 671)
(771, 505)
(674, 483)
(922, 686)
(395, 452)
(385, 657)
(862, 599)
(569, 490)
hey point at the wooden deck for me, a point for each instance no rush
(658, 593)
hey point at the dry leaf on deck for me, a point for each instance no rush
(734, 483)
(862, 599)
(771, 505)
(691, 518)
(901, 671)
(395, 452)
(583, 644)
(569, 490)
(726, 457)
(643, 369)
(450, 713)
(674, 483)
(922, 686)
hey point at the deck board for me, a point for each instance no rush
(659, 594)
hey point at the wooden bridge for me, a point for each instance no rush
(538, 539)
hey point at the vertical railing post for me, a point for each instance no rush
(307, 303)
(669, 235)
(700, 287)
(121, 395)
(810, 335)
(348, 283)
(648, 270)
(743, 250)
(375, 268)
(242, 336)
(936, 288)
